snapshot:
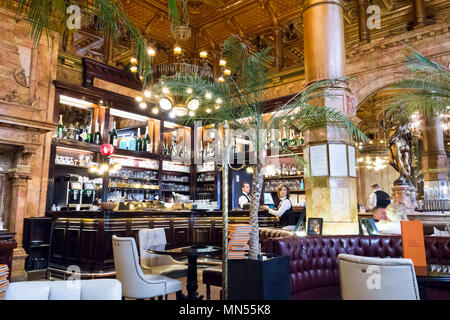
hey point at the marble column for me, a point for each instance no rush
(364, 34)
(278, 48)
(331, 196)
(434, 159)
(19, 177)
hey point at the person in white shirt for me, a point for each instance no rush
(245, 198)
(284, 211)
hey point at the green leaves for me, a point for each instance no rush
(46, 16)
(425, 90)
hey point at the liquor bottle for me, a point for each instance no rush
(139, 140)
(60, 127)
(300, 139)
(302, 184)
(97, 138)
(147, 142)
(89, 136)
(292, 139)
(113, 136)
(77, 131)
(83, 134)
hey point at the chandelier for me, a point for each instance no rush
(181, 32)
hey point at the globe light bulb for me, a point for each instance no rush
(203, 54)
(151, 52)
(133, 69)
(208, 110)
(138, 98)
(221, 79)
(177, 50)
(166, 90)
(171, 115)
(155, 110)
(143, 105)
(227, 72)
(208, 95)
(147, 94)
(219, 100)
(189, 90)
(133, 60)
(222, 62)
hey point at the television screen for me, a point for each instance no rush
(268, 198)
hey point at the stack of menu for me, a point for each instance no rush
(238, 235)
(4, 273)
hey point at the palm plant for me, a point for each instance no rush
(49, 16)
(242, 105)
(426, 90)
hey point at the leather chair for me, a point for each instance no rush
(367, 278)
(156, 263)
(314, 265)
(97, 289)
(136, 284)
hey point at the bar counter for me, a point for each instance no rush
(84, 238)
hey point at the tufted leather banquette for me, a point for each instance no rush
(314, 264)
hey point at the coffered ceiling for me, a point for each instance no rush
(213, 21)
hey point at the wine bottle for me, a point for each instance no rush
(60, 127)
(89, 136)
(83, 134)
(97, 138)
(113, 136)
(139, 140)
(147, 142)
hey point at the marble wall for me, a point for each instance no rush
(26, 121)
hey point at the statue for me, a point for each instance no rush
(400, 154)
(400, 159)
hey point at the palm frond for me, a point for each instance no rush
(47, 16)
(425, 90)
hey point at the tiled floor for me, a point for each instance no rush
(215, 291)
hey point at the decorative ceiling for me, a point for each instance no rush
(213, 21)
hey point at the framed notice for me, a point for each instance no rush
(351, 161)
(318, 160)
(314, 226)
(338, 160)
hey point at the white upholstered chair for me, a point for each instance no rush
(97, 289)
(136, 284)
(368, 278)
(157, 263)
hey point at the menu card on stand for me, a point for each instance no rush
(413, 244)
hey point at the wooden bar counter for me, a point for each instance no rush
(83, 238)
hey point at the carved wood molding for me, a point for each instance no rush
(94, 69)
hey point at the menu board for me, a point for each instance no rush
(319, 160)
(351, 161)
(338, 160)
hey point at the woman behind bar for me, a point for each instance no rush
(284, 211)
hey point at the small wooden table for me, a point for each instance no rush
(192, 251)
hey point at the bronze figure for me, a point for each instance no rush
(400, 154)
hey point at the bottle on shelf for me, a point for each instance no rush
(77, 131)
(89, 137)
(97, 138)
(60, 127)
(113, 136)
(302, 184)
(139, 140)
(147, 143)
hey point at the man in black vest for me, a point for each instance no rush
(378, 201)
(245, 197)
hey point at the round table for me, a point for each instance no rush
(192, 251)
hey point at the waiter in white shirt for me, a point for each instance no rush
(284, 211)
(245, 197)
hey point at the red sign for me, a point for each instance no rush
(107, 149)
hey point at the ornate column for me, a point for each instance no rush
(19, 177)
(278, 48)
(331, 190)
(434, 159)
(108, 46)
(364, 34)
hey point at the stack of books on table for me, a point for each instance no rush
(4, 273)
(238, 235)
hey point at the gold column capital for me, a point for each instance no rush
(311, 3)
